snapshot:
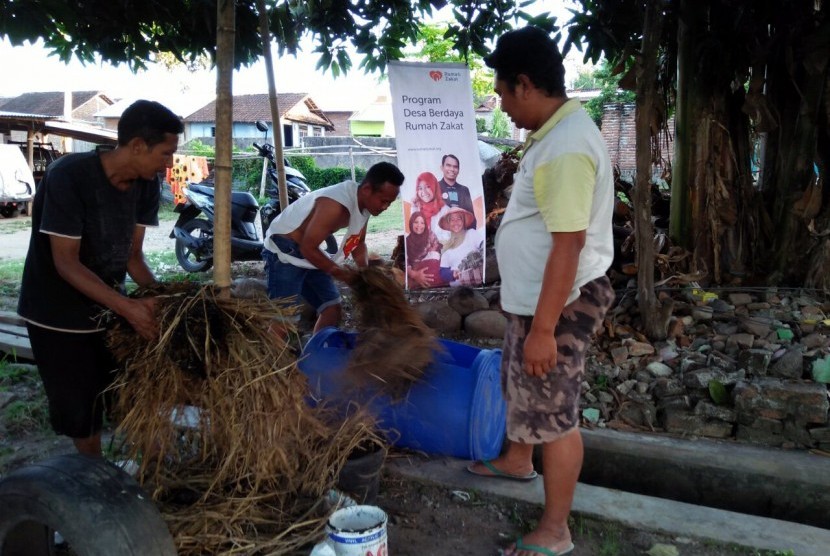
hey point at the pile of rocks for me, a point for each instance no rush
(463, 312)
(750, 366)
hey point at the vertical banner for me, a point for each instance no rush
(443, 200)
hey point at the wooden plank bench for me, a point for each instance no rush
(14, 339)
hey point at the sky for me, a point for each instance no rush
(32, 69)
(35, 70)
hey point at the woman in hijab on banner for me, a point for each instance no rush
(423, 254)
(462, 257)
(427, 199)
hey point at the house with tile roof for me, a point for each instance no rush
(39, 119)
(84, 104)
(299, 115)
(110, 115)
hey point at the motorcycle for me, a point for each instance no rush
(194, 235)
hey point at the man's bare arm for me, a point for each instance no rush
(540, 349)
(137, 265)
(326, 217)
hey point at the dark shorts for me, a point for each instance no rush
(286, 280)
(545, 409)
(76, 369)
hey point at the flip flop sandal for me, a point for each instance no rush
(495, 473)
(520, 545)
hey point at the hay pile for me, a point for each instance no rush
(394, 345)
(250, 477)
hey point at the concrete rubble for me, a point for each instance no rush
(735, 365)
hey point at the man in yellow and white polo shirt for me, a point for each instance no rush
(553, 246)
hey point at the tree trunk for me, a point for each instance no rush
(797, 85)
(713, 179)
(274, 104)
(225, 32)
(680, 222)
(653, 314)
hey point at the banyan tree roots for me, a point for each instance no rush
(216, 413)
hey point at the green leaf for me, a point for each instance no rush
(785, 334)
(590, 414)
(718, 393)
(821, 370)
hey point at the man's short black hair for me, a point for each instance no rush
(529, 51)
(147, 120)
(446, 156)
(381, 173)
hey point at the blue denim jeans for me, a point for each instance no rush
(286, 280)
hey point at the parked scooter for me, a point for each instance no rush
(194, 235)
(295, 181)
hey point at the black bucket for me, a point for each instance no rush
(360, 476)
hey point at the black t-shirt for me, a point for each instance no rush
(75, 199)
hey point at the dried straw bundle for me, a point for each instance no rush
(250, 475)
(394, 345)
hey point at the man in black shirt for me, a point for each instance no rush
(453, 193)
(88, 222)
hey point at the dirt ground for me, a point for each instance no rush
(15, 232)
(431, 520)
(424, 519)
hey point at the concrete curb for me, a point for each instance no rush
(632, 510)
(790, 485)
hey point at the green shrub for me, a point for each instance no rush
(303, 163)
(317, 177)
(197, 148)
(324, 177)
(500, 126)
(247, 174)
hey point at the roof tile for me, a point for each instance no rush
(45, 103)
(250, 108)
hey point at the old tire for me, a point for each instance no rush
(189, 260)
(9, 211)
(97, 508)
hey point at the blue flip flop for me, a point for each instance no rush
(521, 545)
(498, 473)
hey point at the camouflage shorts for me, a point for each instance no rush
(544, 409)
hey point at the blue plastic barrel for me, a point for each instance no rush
(457, 410)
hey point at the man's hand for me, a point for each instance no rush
(141, 314)
(540, 353)
(344, 274)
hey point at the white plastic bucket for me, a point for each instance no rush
(358, 531)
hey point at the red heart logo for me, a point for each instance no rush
(436, 75)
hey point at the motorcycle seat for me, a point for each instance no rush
(240, 198)
(200, 188)
(244, 199)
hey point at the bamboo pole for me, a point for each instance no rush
(225, 35)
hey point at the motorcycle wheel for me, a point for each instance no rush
(9, 211)
(267, 213)
(189, 259)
